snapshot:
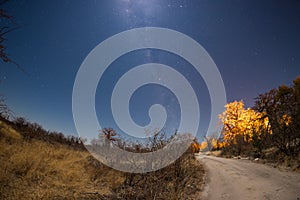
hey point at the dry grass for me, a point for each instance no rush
(181, 180)
(38, 170)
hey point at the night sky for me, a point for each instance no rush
(255, 45)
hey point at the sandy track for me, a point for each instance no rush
(242, 179)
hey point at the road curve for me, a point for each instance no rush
(242, 179)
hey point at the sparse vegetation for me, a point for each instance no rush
(181, 180)
(36, 164)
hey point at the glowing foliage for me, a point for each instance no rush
(203, 145)
(285, 120)
(240, 124)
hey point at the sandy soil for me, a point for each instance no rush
(243, 179)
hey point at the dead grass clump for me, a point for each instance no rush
(181, 180)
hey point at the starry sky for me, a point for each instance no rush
(255, 45)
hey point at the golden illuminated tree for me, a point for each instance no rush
(240, 125)
(203, 145)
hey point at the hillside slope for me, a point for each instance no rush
(33, 168)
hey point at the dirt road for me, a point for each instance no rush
(242, 179)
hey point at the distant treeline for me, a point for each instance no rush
(31, 131)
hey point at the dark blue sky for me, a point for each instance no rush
(255, 45)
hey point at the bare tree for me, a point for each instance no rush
(5, 112)
(4, 16)
(8, 26)
(108, 135)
